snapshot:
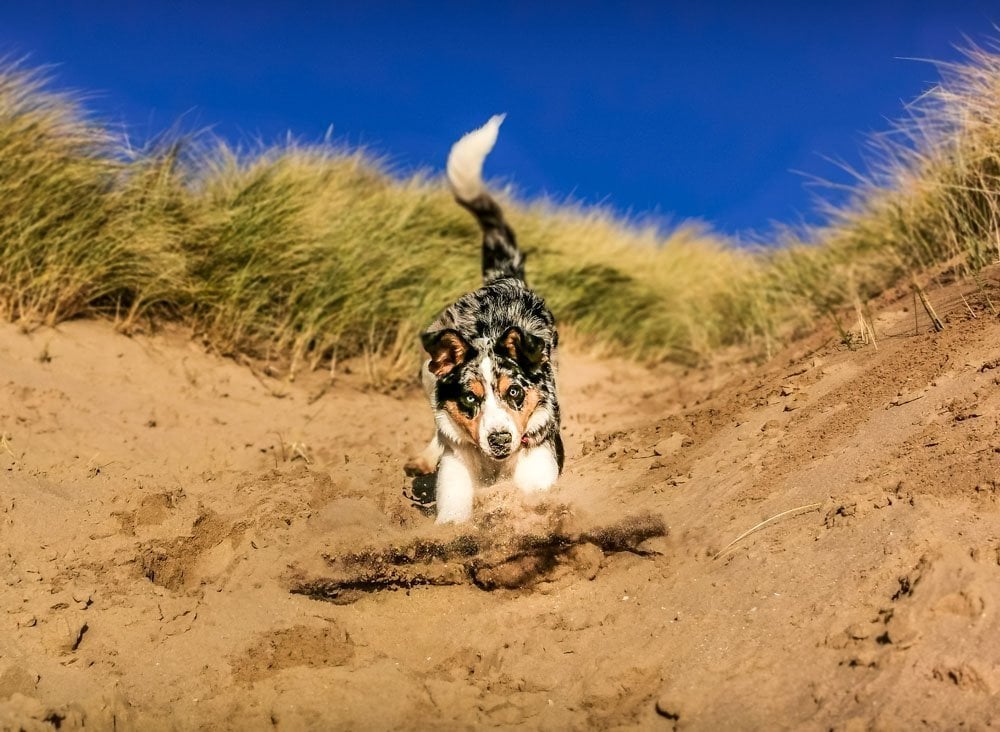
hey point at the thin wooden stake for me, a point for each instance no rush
(938, 325)
(967, 307)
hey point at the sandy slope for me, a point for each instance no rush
(158, 506)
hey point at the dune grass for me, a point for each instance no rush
(82, 228)
(312, 253)
(931, 201)
(318, 254)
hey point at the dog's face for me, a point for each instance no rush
(487, 393)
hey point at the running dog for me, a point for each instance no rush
(490, 375)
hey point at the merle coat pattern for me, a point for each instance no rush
(490, 376)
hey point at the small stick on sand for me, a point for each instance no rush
(938, 325)
(967, 306)
(899, 401)
(799, 510)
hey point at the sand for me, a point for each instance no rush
(187, 541)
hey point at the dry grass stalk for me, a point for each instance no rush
(766, 522)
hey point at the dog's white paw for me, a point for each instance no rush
(536, 470)
(426, 462)
(455, 490)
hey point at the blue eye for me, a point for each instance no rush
(515, 393)
(469, 399)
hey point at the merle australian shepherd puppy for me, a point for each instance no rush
(490, 375)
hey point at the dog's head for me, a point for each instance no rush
(488, 393)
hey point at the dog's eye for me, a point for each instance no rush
(516, 393)
(469, 399)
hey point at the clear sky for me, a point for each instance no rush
(678, 109)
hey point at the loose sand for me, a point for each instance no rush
(186, 541)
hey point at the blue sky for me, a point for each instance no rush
(681, 110)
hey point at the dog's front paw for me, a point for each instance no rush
(426, 461)
(453, 514)
(536, 470)
(454, 491)
(419, 465)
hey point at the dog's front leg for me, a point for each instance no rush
(426, 461)
(537, 469)
(455, 487)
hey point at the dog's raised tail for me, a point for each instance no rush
(465, 161)
(501, 257)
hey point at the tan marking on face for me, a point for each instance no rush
(503, 384)
(531, 399)
(469, 424)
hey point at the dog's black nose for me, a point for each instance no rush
(500, 443)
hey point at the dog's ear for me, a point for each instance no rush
(447, 350)
(525, 349)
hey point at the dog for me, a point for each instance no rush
(491, 367)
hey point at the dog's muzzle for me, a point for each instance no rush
(501, 444)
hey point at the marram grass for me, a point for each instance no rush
(930, 201)
(318, 254)
(82, 228)
(311, 253)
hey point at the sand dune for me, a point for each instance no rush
(187, 541)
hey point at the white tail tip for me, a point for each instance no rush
(465, 161)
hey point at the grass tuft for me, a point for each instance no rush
(930, 201)
(312, 253)
(83, 229)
